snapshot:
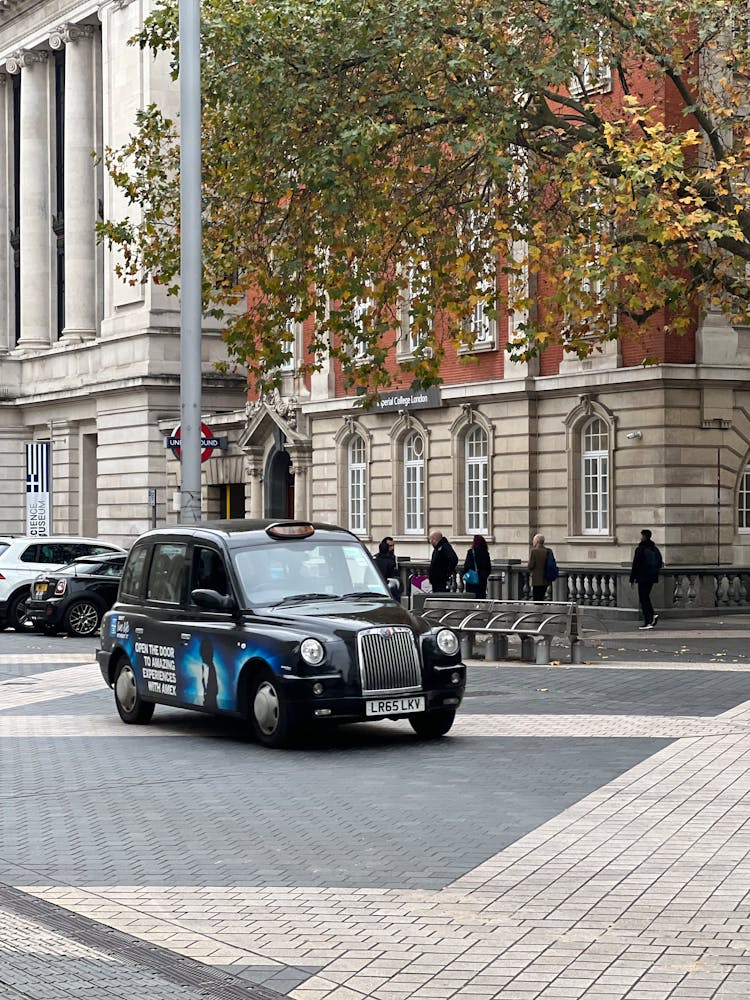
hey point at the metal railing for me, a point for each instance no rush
(681, 590)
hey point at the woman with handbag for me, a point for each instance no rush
(477, 568)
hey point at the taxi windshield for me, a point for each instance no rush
(294, 570)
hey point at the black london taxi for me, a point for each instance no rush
(281, 623)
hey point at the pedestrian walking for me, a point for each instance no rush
(542, 568)
(443, 563)
(477, 567)
(647, 562)
(385, 559)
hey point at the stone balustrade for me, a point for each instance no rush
(681, 590)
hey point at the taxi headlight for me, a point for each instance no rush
(312, 652)
(447, 641)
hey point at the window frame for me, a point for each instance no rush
(356, 524)
(600, 459)
(482, 463)
(575, 423)
(413, 507)
(743, 490)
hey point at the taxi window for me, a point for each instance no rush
(166, 573)
(287, 569)
(209, 572)
(132, 578)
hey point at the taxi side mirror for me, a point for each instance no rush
(394, 587)
(212, 600)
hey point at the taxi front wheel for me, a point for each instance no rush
(432, 725)
(269, 711)
(131, 707)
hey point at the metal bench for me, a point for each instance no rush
(536, 624)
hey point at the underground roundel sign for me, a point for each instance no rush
(208, 442)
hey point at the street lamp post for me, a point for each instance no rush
(191, 271)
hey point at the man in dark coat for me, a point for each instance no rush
(443, 563)
(647, 562)
(385, 559)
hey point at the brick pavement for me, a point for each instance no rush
(637, 888)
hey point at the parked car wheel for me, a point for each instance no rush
(131, 707)
(269, 711)
(82, 618)
(432, 725)
(17, 617)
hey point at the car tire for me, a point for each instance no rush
(131, 707)
(432, 725)
(268, 710)
(17, 617)
(82, 619)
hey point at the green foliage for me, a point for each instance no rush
(353, 151)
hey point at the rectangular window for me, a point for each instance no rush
(165, 577)
(595, 494)
(357, 516)
(743, 506)
(592, 73)
(476, 497)
(414, 498)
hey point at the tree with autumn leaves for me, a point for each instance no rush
(582, 165)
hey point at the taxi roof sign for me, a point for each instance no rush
(292, 529)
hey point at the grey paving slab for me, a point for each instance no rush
(213, 809)
(527, 689)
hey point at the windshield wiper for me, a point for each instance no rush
(301, 598)
(360, 593)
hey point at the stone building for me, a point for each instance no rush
(85, 359)
(587, 452)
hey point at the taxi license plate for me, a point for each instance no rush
(394, 706)
(40, 589)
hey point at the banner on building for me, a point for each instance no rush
(37, 488)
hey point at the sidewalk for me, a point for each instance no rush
(637, 891)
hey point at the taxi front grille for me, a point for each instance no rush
(389, 661)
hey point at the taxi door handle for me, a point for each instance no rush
(185, 636)
(139, 631)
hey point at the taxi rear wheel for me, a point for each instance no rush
(268, 711)
(130, 706)
(432, 725)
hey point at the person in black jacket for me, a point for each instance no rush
(443, 563)
(385, 559)
(647, 562)
(478, 558)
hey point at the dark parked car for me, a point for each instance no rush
(74, 598)
(284, 624)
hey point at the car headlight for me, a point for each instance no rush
(447, 641)
(312, 652)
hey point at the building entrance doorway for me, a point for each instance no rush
(279, 481)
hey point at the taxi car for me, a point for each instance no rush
(281, 623)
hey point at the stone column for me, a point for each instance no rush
(6, 282)
(79, 195)
(35, 216)
(254, 482)
(301, 457)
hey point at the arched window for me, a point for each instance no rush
(595, 477)
(476, 479)
(357, 484)
(743, 501)
(413, 484)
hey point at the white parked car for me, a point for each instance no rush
(22, 559)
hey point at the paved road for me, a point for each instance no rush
(583, 832)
